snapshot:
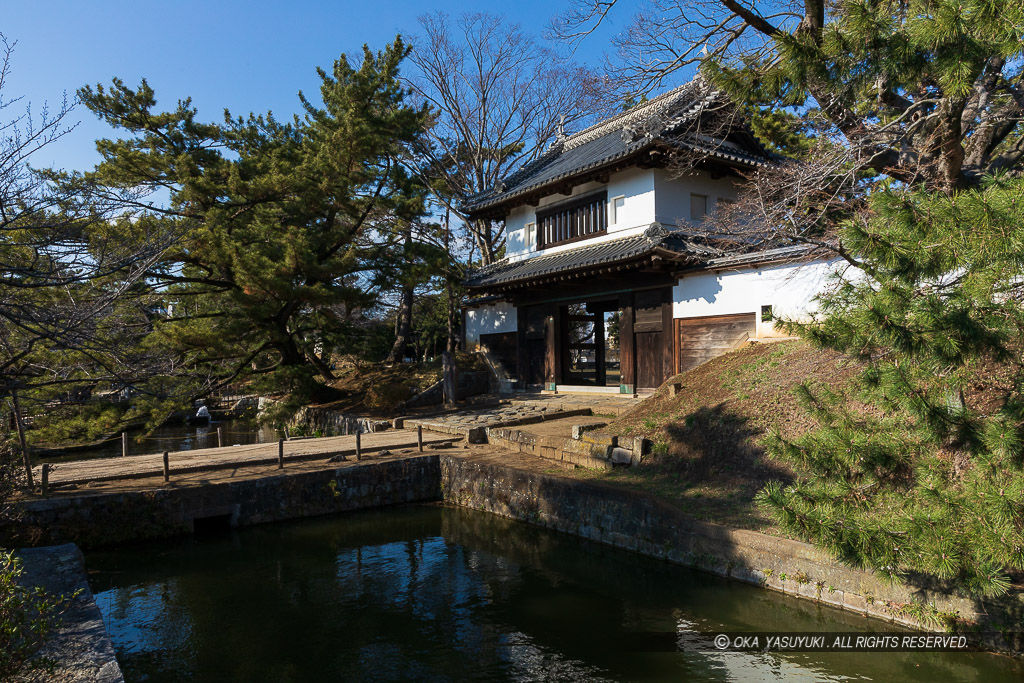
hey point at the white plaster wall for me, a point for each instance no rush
(489, 319)
(787, 288)
(673, 193)
(637, 213)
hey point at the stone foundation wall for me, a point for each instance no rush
(606, 514)
(637, 522)
(588, 447)
(109, 519)
(568, 453)
(325, 422)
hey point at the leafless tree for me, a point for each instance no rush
(61, 277)
(918, 96)
(499, 98)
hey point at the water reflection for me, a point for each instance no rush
(450, 594)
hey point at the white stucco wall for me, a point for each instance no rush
(634, 185)
(489, 319)
(787, 288)
(673, 193)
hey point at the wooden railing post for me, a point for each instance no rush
(124, 444)
(280, 454)
(220, 437)
(167, 466)
(419, 437)
(359, 446)
(45, 480)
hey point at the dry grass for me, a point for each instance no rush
(708, 455)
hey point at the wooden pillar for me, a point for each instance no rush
(554, 339)
(562, 359)
(550, 346)
(522, 349)
(627, 345)
(601, 376)
(668, 333)
(462, 332)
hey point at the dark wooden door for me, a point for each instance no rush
(701, 339)
(652, 325)
(650, 355)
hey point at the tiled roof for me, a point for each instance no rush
(656, 239)
(664, 120)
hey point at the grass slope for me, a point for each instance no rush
(708, 457)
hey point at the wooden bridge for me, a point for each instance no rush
(231, 457)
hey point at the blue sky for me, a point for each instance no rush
(246, 56)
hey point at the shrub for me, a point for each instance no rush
(28, 615)
(387, 396)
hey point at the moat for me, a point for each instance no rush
(432, 592)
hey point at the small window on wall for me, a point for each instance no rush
(615, 209)
(766, 314)
(530, 239)
(698, 207)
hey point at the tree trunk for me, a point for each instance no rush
(451, 373)
(403, 326)
(21, 437)
(485, 240)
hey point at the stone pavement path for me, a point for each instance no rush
(137, 466)
(473, 423)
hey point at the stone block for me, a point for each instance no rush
(741, 573)
(621, 456)
(477, 435)
(834, 598)
(879, 610)
(674, 388)
(808, 590)
(599, 439)
(579, 430)
(855, 603)
(639, 446)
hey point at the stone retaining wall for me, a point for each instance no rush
(591, 449)
(640, 523)
(327, 422)
(566, 452)
(122, 517)
(80, 646)
(602, 513)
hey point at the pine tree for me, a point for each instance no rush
(283, 225)
(926, 477)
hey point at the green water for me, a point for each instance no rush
(447, 594)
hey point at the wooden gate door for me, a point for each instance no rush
(650, 352)
(652, 327)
